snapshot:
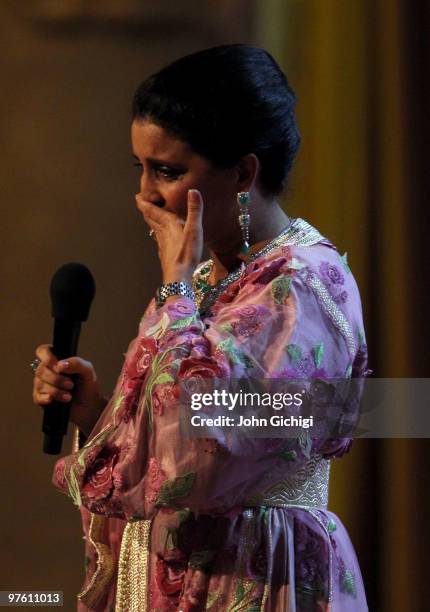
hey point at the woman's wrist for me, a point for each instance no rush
(184, 276)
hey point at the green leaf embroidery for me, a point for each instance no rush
(348, 583)
(295, 352)
(158, 370)
(240, 591)
(98, 439)
(118, 403)
(163, 378)
(234, 354)
(348, 371)
(280, 289)
(227, 327)
(243, 589)
(235, 357)
(226, 345)
(288, 455)
(73, 487)
(345, 263)
(318, 352)
(239, 595)
(331, 526)
(181, 323)
(175, 487)
(361, 340)
(212, 598)
(287, 452)
(81, 458)
(157, 330)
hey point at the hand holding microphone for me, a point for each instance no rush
(52, 381)
(66, 385)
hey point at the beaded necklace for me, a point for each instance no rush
(298, 232)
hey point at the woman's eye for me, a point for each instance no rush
(169, 173)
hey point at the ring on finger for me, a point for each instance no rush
(34, 364)
(153, 234)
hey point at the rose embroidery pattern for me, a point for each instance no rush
(155, 479)
(98, 483)
(135, 368)
(333, 279)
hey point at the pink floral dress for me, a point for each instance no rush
(177, 523)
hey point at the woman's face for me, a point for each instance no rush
(170, 167)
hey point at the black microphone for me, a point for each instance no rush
(72, 291)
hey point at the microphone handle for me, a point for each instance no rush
(56, 414)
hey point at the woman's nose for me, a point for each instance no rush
(149, 193)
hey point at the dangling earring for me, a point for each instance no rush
(244, 199)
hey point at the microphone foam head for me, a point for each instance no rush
(72, 291)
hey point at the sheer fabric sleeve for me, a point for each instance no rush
(279, 319)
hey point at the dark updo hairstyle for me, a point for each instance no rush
(226, 102)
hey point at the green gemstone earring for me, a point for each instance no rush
(244, 200)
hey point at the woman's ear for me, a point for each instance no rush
(248, 170)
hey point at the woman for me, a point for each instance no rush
(217, 523)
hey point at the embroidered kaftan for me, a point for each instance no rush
(173, 523)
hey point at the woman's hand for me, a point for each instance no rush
(52, 382)
(180, 244)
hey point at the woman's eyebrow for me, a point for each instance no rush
(161, 162)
